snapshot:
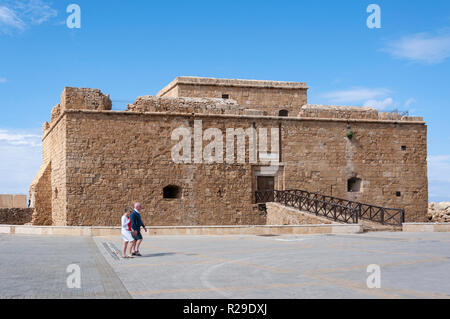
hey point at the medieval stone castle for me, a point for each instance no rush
(97, 161)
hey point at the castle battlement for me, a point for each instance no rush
(224, 96)
(97, 159)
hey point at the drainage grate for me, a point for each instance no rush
(268, 235)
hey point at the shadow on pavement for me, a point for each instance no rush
(157, 255)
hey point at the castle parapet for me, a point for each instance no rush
(351, 112)
(190, 105)
(272, 97)
(341, 112)
(79, 99)
(84, 99)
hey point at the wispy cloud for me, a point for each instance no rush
(380, 104)
(355, 95)
(36, 11)
(9, 20)
(8, 137)
(410, 101)
(2, 80)
(421, 47)
(17, 15)
(439, 177)
(373, 97)
(20, 159)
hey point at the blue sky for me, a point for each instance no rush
(133, 48)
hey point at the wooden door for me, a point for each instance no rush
(265, 186)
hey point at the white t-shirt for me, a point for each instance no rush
(125, 222)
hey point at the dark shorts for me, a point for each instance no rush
(138, 235)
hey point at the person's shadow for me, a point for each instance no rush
(157, 255)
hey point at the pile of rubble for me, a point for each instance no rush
(439, 212)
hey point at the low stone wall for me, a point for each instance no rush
(185, 230)
(426, 227)
(15, 216)
(281, 215)
(13, 201)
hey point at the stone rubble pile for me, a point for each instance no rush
(439, 212)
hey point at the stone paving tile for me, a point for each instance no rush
(311, 266)
(413, 265)
(35, 267)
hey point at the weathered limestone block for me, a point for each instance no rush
(185, 105)
(41, 197)
(97, 162)
(391, 116)
(340, 112)
(56, 112)
(84, 99)
(278, 214)
(13, 201)
(15, 216)
(268, 96)
(6, 201)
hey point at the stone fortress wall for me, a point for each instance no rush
(13, 201)
(97, 161)
(14, 209)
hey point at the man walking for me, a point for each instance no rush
(136, 224)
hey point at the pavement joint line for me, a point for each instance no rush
(358, 267)
(356, 286)
(206, 273)
(110, 251)
(319, 277)
(384, 292)
(280, 270)
(422, 294)
(380, 251)
(317, 274)
(112, 285)
(231, 288)
(313, 275)
(270, 268)
(247, 251)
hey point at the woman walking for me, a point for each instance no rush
(126, 234)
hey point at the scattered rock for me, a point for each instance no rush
(439, 212)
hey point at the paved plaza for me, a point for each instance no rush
(412, 265)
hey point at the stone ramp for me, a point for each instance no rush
(369, 226)
(278, 214)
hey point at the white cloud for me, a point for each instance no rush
(439, 177)
(380, 104)
(409, 102)
(376, 98)
(16, 15)
(2, 80)
(421, 47)
(20, 159)
(9, 19)
(355, 95)
(36, 11)
(8, 137)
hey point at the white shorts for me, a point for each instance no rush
(126, 235)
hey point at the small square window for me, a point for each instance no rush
(225, 96)
(354, 185)
(403, 148)
(398, 194)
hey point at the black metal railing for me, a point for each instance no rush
(335, 208)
